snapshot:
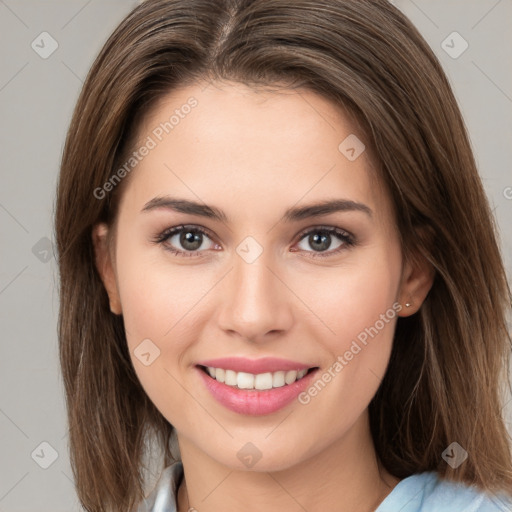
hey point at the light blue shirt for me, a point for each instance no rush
(423, 492)
(426, 492)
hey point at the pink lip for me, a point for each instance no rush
(254, 402)
(255, 366)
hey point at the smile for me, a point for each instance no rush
(261, 381)
(255, 394)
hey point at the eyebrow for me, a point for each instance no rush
(291, 215)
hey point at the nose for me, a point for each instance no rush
(256, 303)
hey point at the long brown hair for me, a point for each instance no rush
(448, 360)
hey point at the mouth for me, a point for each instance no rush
(255, 394)
(256, 382)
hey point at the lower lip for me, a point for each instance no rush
(254, 402)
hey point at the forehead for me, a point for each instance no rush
(248, 115)
(254, 146)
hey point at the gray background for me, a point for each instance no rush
(36, 100)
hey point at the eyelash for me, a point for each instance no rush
(347, 239)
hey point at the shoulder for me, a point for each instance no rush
(163, 496)
(426, 492)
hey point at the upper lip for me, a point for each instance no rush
(255, 366)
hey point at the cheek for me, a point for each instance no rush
(353, 297)
(358, 312)
(157, 307)
(164, 308)
(156, 296)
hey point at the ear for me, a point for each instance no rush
(417, 279)
(105, 265)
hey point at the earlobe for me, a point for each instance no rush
(417, 279)
(105, 266)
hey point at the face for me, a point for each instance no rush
(244, 268)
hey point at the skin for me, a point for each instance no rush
(253, 154)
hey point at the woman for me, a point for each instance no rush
(284, 269)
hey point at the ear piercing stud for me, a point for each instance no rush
(408, 304)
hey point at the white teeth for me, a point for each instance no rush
(290, 376)
(219, 374)
(261, 381)
(278, 379)
(245, 380)
(301, 373)
(230, 378)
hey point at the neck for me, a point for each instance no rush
(343, 476)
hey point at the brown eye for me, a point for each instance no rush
(183, 240)
(320, 239)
